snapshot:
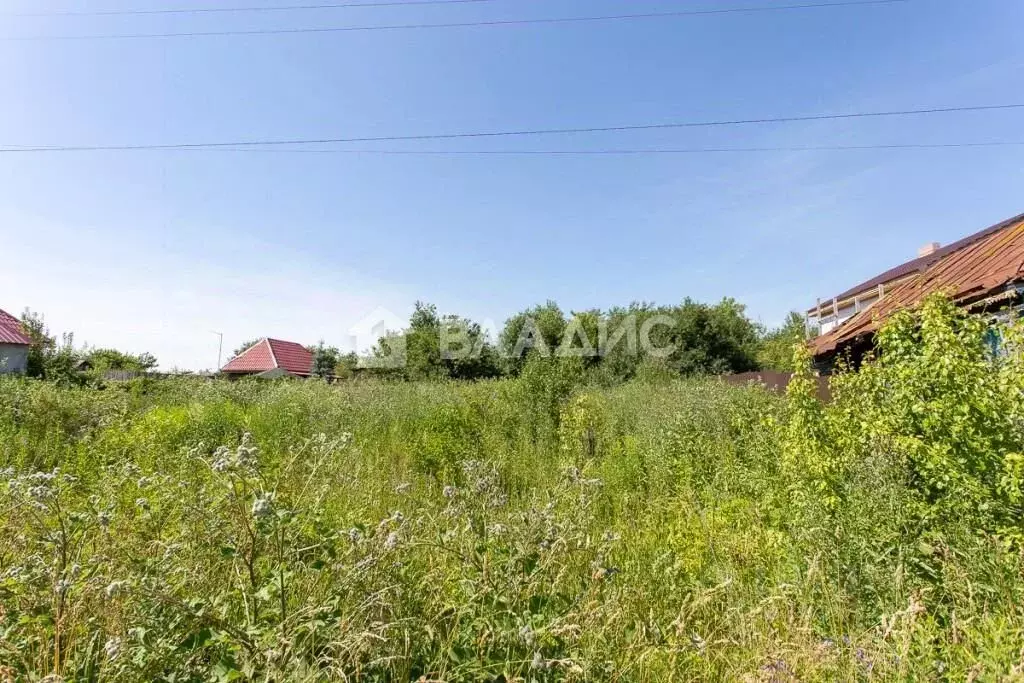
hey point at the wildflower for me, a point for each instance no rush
(396, 518)
(75, 570)
(391, 542)
(104, 517)
(143, 482)
(113, 648)
(263, 506)
(864, 660)
(699, 644)
(497, 529)
(364, 564)
(114, 588)
(40, 493)
(355, 535)
(142, 503)
(527, 635)
(538, 660)
(61, 587)
(403, 488)
(449, 492)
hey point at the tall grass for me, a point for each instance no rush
(686, 530)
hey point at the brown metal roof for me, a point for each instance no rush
(973, 267)
(921, 263)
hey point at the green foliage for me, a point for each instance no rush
(540, 329)
(948, 413)
(62, 362)
(437, 347)
(536, 528)
(42, 344)
(325, 359)
(111, 359)
(689, 339)
(776, 352)
(346, 366)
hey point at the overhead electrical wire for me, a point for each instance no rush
(239, 10)
(620, 152)
(514, 133)
(463, 24)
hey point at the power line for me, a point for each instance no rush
(511, 133)
(621, 152)
(225, 10)
(464, 24)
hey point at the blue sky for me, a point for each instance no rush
(154, 250)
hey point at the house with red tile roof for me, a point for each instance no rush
(14, 345)
(271, 358)
(983, 273)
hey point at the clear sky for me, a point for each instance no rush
(154, 250)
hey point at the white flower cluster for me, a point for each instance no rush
(263, 506)
(485, 482)
(114, 589)
(39, 487)
(112, 648)
(243, 458)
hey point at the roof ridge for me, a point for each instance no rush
(921, 264)
(273, 356)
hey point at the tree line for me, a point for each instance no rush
(611, 346)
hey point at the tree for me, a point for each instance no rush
(41, 343)
(776, 352)
(112, 359)
(346, 366)
(538, 329)
(325, 359)
(438, 347)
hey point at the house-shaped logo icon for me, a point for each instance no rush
(366, 335)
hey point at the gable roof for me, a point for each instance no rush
(11, 331)
(976, 266)
(270, 354)
(921, 263)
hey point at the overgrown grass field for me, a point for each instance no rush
(523, 529)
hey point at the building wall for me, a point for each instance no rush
(13, 358)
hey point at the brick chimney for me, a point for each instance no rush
(928, 249)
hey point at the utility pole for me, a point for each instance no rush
(220, 348)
